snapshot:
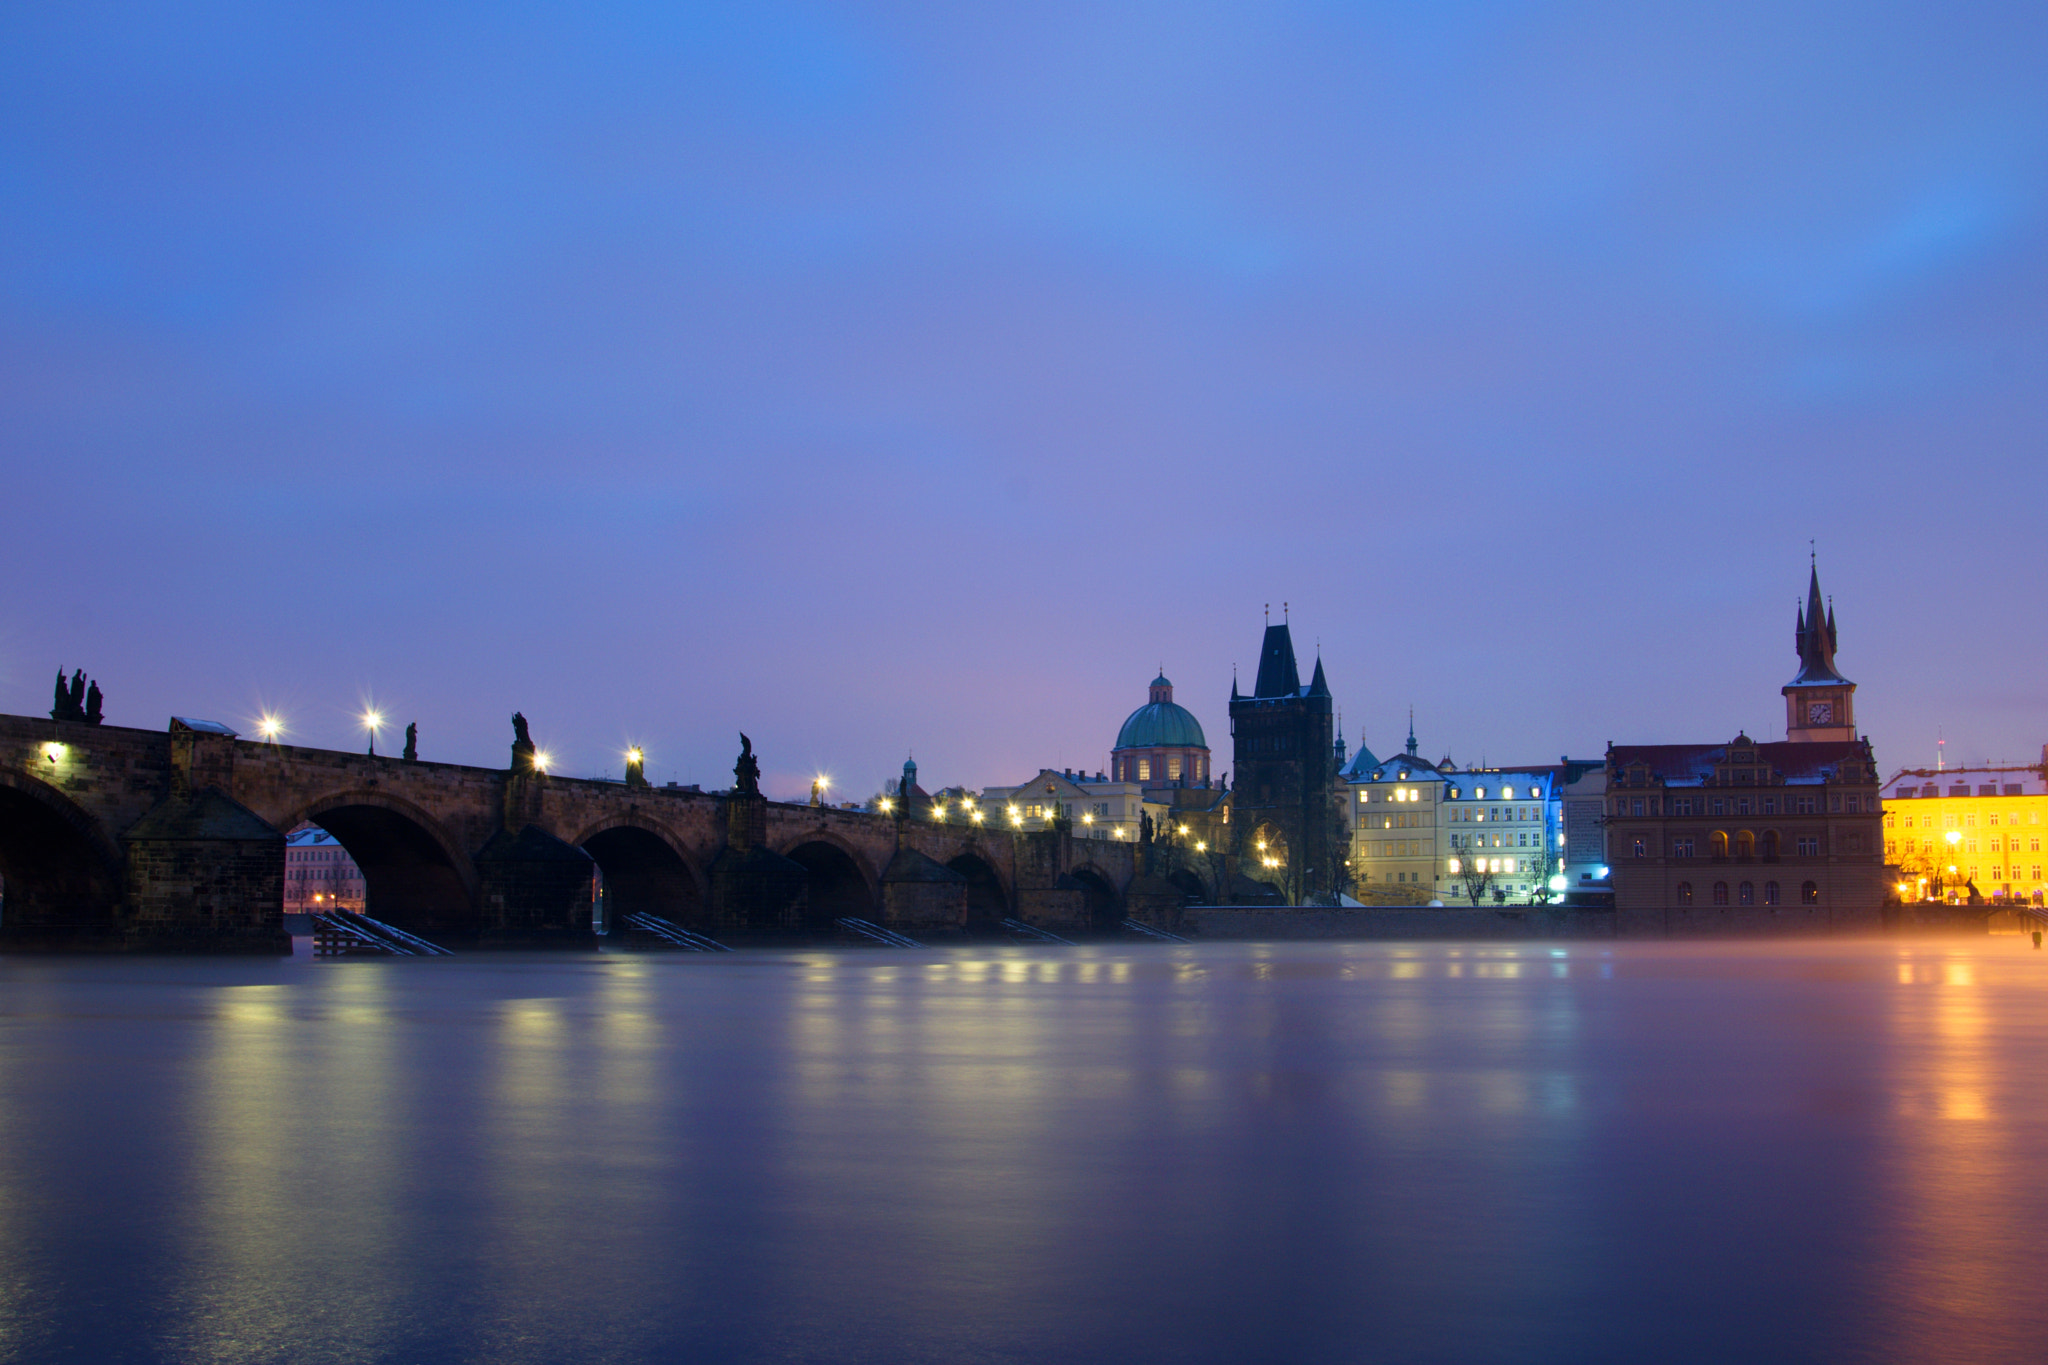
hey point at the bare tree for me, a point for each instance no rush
(1472, 875)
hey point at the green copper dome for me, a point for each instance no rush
(1160, 724)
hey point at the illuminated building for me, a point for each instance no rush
(1161, 744)
(1754, 836)
(1421, 824)
(1097, 807)
(318, 873)
(1984, 822)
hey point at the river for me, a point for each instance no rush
(1830, 1151)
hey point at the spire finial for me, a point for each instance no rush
(1269, 613)
(1283, 611)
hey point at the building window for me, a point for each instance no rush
(1681, 848)
(1770, 893)
(1805, 805)
(1720, 893)
(1642, 848)
(1889, 819)
(1742, 805)
(1745, 894)
(1770, 844)
(1144, 770)
(1809, 846)
(1891, 848)
(1971, 819)
(1720, 806)
(1745, 844)
(1685, 893)
(1717, 843)
(1809, 893)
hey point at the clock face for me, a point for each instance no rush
(1820, 713)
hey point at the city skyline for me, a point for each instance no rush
(570, 756)
(881, 382)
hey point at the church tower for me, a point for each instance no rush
(1820, 704)
(1284, 785)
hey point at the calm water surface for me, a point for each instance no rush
(1347, 1152)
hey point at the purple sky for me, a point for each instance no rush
(877, 377)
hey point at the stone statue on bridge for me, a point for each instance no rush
(522, 745)
(77, 700)
(746, 772)
(412, 743)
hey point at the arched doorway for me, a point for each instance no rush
(57, 881)
(834, 885)
(1191, 889)
(643, 875)
(1105, 907)
(986, 903)
(410, 879)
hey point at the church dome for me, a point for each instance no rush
(1160, 724)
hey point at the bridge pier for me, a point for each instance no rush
(205, 875)
(534, 891)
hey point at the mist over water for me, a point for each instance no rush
(1415, 1152)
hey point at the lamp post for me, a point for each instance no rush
(373, 720)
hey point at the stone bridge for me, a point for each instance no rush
(118, 838)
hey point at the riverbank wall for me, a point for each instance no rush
(1240, 922)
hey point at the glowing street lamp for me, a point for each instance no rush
(888, 804)
(541, 759)
(269, 727)
(373, 721)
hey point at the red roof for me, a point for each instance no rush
(1795, 762)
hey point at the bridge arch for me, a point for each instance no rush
(414, 873)
(59, 869)
(645, 868)
(1105, 906)
(837, 879)
(988, 899)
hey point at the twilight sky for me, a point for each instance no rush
(877, 377)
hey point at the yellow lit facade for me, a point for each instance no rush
(1986, 823)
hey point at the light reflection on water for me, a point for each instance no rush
(1325, 1152)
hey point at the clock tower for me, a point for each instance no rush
(1819, 703)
